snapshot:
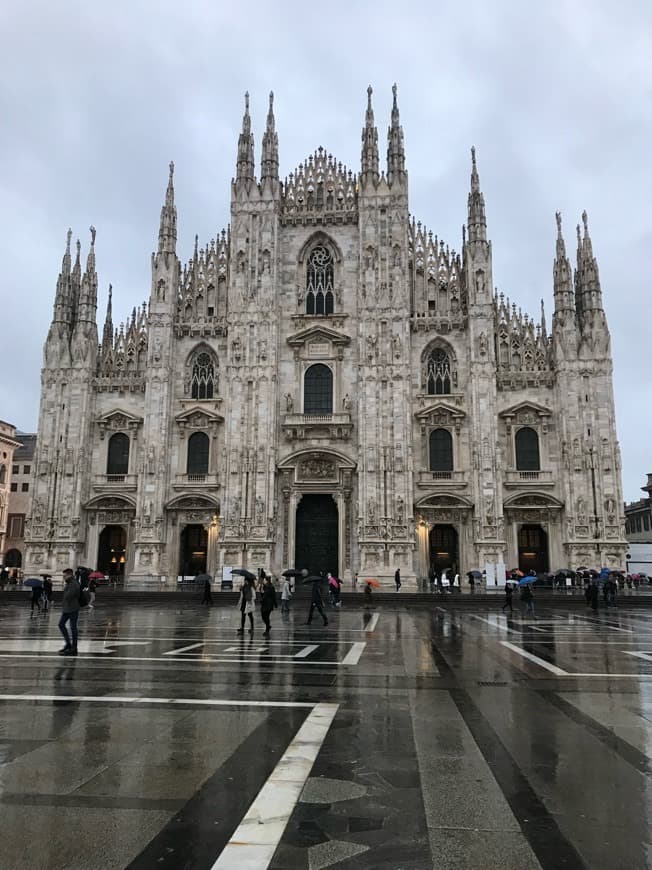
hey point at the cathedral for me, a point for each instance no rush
(327, 385)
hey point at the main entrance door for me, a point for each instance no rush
(194, 550)
(317, 535)
(112, 551)
(443, 549)
(532, 549)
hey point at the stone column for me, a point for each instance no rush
(92, 541)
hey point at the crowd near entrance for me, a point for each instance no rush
(317, 534)
(112, 551)
(444, 549)
(194, 551)
(532, 550)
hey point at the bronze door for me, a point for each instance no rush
(317, 535)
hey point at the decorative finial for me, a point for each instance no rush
(579, 235)
(558, 219)
(271, 100)
(585, 221)
(394, 91)
(473, 156)
(68, 238)
(370, 91)
(171, 169)
(93, 233)
(110, 293)
(247, 102)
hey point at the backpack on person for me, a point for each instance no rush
(84, 597)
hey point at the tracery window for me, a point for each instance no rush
(319, 281)
(527, 450)
(203, 376)
(318, 390)
(438, 373)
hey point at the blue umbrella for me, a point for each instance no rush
(32, 581)
(526, 581)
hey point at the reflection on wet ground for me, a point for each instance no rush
(392, 738)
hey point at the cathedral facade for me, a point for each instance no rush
(327, 385)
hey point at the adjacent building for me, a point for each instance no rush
(20, 499)
(327, 384)
(8, 446)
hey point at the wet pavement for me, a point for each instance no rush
(392, 738)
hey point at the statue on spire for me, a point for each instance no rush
(369, 157)
(270, 162)
(245, 163)
(395, 145)
(167, 233)
(477, 220)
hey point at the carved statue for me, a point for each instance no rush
(346, 402)
(235, 507)
(400, 507)
(259, 510)
(371, 509)
(289, 402)
(396, 345)
(483, 344)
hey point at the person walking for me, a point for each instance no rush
(47, 592)
(509, 591)
(268, 603)
(246, 604)
(207, 598)
(333, 590)
(286, 595)
(367, 593)
(594, 595)
(70, 606)
(316, 602)
(397, 578)
(527, 596)
(92, 591)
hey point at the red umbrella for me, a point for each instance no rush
(96, 575)
(372, 582)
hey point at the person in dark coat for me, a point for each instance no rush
(47, 592)
(70, 606)
(246, 604)
(594, 595)
(397, 578)
(37, 592)
(207, 598)
(268, 603)
(316, 602)
(509, 591)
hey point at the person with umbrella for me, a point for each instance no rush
(37, 592)
(47, 592)
(527, 595)
(268, 603)
(207, 597)
(316, 599)
(509, 591)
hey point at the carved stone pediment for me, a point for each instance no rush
(118, 420)
(320, 339)
(534, 500)
(194, 501)
(526, 412)
(440, 413)
(197, 418)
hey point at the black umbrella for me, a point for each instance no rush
(295, 572)
(202, 578)
(313, 578)
(474, 574)
(243, 572)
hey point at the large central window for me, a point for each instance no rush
(438, 373)
(203, 375)
(319, 281)
(318, 390)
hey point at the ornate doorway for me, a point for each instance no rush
(317, 538)
(112, 551)
(443, 549)
(194, 551)
(532, 549)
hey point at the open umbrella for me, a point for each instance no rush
(313, 578)
(33, 581)
(372, 582)
(96, 575)
(243, 572)
(474, 574)
(526, 580)
(202, 578)
(295, 572)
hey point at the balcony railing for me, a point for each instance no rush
(442, 478)
(115, 481)
(328, 426)
(515, 478)
(183, 481)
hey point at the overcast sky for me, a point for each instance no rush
(97, 98)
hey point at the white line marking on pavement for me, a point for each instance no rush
(353, 655)
(183, 649)
(647, 657)
(135, 699)
(256, 838)
(373, 622)
(532, 658)
(181, 659)
(302, 654)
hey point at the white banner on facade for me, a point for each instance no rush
(490, 571)
(501, 574)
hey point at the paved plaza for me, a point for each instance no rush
(402, 738)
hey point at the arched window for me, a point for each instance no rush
(318, 390)
(438, 373)
(527, 450)
(198, 446)
(3, 474)
(319, 281)
(118, 456)
(202, 382)
(441, 450)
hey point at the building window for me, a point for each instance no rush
(27, 469)
(318, 390)
(14, 487)
(527, 450)
(198, 447)
(441, 450)
(438, 373)
(118, 455)
(646, 522)
(202, 385)
(15, 469)
(319, 281)
(16, 525)
(24, 487)
(3, 474)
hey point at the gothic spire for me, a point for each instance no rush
(395, 147)
(563, 290)
(107, 334)
(62, 299)
(245, 167)
(167, 233)
(269, 168)
(369, 159)
(587, 278)
(476, 221)
(87, 309)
